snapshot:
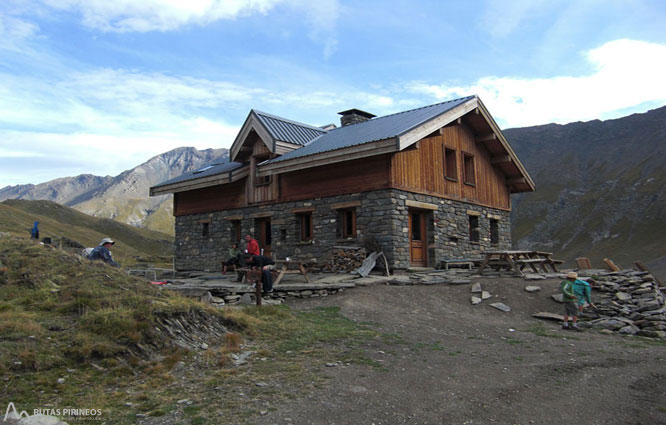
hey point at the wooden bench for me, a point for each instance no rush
(458, 262)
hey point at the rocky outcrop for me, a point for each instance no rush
(125, 197)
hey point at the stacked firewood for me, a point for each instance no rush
(344, 260)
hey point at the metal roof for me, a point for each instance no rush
(288, 131)
(211, 169)
(372, 130)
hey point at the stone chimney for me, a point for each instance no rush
(354, 116)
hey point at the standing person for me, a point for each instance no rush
(234, 258)
(582, 290)
(101, 252)
(266, 265)
(570, 301)
(252, 247)
(34, 233)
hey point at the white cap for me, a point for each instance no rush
(107, 240)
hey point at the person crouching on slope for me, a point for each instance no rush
(101, 252)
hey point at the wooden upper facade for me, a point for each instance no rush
(459, 154)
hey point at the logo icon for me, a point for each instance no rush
(15, 415)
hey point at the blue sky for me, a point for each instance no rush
(100, 86)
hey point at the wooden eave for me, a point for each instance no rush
(503, 156)
(415, 134)
(217, 179)
(330, 157)
(252, 122)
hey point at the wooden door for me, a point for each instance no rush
(263, 227)
(418, 240)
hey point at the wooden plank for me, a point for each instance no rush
(611, 265)
(500, 159)
(583, 263)
(344, 205)
(421, 205)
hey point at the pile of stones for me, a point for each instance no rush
(629, 302)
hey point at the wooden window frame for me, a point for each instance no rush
(261, 181)
(305, 227)
(236, 234)
(474, 234)
(446, 153)
(344, 220)
(468, 157)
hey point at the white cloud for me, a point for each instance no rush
(13, 31)
(159, 15)
(625, 74)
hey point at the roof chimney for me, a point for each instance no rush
(354, 116)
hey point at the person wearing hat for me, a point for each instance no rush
(571, 299)
(583, 291)
(101, 252)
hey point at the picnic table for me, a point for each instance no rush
(290, 267)
(516, 261)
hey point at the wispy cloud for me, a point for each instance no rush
(14, 31)
(158, 15)
(623, 74)
(500, 18)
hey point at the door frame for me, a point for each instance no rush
(424, 236)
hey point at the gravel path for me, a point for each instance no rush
(444, 361)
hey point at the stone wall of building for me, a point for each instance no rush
(382, 214)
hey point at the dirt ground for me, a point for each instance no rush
(444, 361)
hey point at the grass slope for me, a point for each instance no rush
(82, 334)
(132, 244)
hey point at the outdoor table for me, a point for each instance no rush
(290, 267)
(516, 261)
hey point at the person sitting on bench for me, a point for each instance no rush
(265, 264)
(234, 258)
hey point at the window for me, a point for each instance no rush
(494, 232)
(259, 181)
(473, 228)
(305, 226)
(204, 230)
(469, 176)
(450, 165)
(347, 220)
(235, 231)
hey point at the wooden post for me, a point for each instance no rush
(254, 276)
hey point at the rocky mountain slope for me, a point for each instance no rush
(124, 197)
(601, 189)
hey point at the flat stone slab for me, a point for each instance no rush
(532, 288)
(501, 306)
(336, 278)
(485, 295)
(548, 316)
(476, 287)
(369, 280)
(475, 300)
(557, 297)
(460, 281)
(532, 276)
(240, 288)
(622, 296)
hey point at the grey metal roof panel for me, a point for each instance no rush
(372, 130)
(211, 169)
(289, 131)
